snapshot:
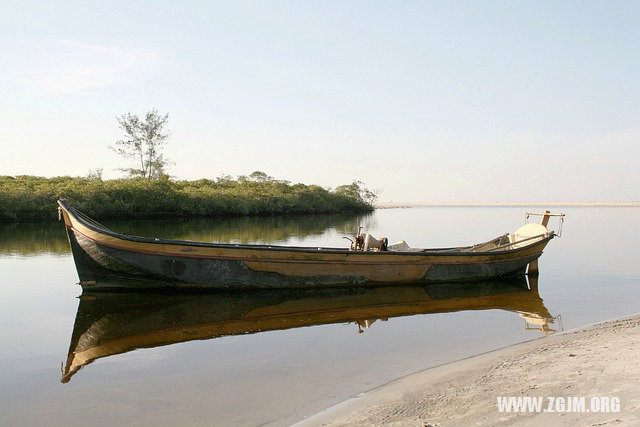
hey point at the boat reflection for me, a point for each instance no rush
(113, 323)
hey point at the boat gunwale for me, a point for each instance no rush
(458, 250)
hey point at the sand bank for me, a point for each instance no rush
(393, 205)
(597, 361)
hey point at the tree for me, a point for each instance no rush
(95, 174)
(143, 143)
(357, 191)
(259, 176)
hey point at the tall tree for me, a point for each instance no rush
(143, 143)
(358, 191)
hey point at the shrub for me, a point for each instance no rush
(31, 198)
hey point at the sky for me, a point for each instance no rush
(425, 101)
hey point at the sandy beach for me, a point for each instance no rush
(599, 361)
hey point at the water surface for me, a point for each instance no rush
(277, 357)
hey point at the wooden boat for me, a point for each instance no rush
(110, 323)
(101, 254)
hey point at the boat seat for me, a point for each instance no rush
(527, 231)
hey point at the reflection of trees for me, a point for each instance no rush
(33, 239)
(262, 230)
(368, 222)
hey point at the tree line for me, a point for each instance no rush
(29, 198)
(149, 192)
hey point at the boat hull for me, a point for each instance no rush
(104, 258)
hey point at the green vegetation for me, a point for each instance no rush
(30, 198)
(150, 193)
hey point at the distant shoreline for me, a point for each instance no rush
(393, 205)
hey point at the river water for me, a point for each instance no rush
(276, 357)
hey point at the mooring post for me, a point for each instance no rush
(545, 218)
(533, 283)
(533, 265)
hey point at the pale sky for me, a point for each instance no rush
(426, 101)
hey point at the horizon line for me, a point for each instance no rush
(537, 204)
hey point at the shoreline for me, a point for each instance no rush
(464, 392)
(394, 205)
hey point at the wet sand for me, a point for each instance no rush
(600, 360)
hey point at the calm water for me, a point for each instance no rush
(250, 371)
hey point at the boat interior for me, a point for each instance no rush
(525, 235)
(528, 234)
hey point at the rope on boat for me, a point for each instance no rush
(83, 217)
